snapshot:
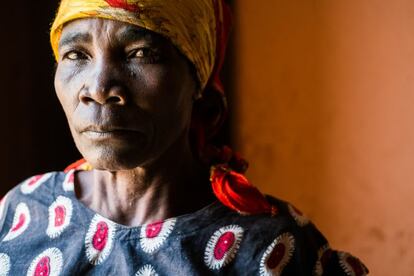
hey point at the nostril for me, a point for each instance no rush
(86, 99)
(112, 95)
(114, 99)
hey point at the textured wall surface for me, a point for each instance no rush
(325, 115)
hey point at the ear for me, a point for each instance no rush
(209, 112)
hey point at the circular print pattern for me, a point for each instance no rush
(277, 255)
(324, 255)
(351, 265)
(223, 246)
(300, 218)
(31, 184)
(99, 239)
(4, 264)
(146, 270)
(48, 263)
(21, 221)
(60, 214)
(69, 181)
(2, 205)
(154, 235)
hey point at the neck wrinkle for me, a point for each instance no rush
(174, 186)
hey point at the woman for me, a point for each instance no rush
(139, 84)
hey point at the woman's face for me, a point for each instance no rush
(127, 92)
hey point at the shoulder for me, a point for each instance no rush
(28, 197)
(289, 242)
(41, 187)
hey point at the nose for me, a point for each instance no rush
(105, 86)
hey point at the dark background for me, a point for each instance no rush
(34, 134)
(35, 137)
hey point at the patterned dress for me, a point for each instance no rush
(45, 230)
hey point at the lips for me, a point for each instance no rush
(107, 128)
(105, 133)
(111, 123)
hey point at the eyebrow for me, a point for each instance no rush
(131, 34)
(75, 38)
(128, 35)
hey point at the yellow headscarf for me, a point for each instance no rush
(189, 24)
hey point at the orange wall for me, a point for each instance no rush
(325, 115)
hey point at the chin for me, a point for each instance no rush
(114, 160)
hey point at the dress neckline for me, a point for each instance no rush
(194, 221)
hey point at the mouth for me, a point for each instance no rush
(100, 134)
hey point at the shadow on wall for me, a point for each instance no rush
(325, 113)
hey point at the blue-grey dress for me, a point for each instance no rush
(45, 230)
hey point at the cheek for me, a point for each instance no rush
(165, 89)
(67, 87)
(174, 110)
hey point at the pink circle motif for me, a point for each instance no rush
(153, 235)
(101, 236)
(34, 179)
(277, 255)
(224, 243)
(48, 263)
(31, 184)
(223, 246)
(20, 223)
(153, 229)
(60, 214)
(99, 239)
(351, 265)
(43, 267)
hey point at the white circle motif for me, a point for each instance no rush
(300, 218)
(277, 255)
(319, 266)
(48, 263)
(31, 184)
(21, 221)
(351, 265)
(60, 214)
(222, 247)
(4, 264)
(2, 205)
(146, 270)
(69, 181)
(99, 239)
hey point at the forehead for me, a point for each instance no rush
(89, 30)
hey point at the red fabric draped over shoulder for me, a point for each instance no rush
(229, 184)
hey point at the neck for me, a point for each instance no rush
(173, 185)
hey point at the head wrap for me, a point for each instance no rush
(199, 29)
(190, 25)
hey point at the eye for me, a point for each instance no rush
(74, 55)
(141, 52)
(145, 55)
